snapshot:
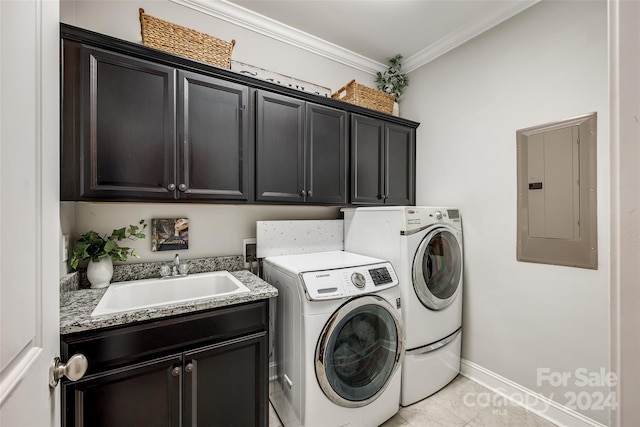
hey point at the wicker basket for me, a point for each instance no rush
(355, 93)
(183, 41)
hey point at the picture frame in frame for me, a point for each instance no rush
(169, 234)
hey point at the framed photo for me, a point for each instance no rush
(169, 234)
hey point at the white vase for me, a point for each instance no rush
(396, 109)
(100, 272)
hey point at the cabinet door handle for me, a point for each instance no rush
(182, 187)
(189, 368)
(303, 193)
(176, 371)
(74, 369)
(309, 193)
(171, 187)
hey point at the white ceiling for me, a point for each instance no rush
(365, 33)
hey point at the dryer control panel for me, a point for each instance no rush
(349, 281)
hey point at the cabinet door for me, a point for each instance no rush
(400, 160)
(226, 384)
(326, 153)
(214, 156)
(127, 126)
(367, 173)
(279, 148)
(146, 394)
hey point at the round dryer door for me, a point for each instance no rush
(359, 350)
(437, 269)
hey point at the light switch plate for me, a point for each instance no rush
(249, 247)
(64, 250)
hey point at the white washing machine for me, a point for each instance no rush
(424, 244)
(339, 340)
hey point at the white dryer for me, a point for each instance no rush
(424, 244)
(339, 340)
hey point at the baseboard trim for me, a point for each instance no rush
(534, 402)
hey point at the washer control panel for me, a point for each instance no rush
(349, 281)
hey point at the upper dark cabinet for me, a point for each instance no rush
(126, 125)
(382, 162)
(327, 155)
(301, 151)
(279, 148)
(145, 131)
(140, 124)
(214, 152)
(400, 164)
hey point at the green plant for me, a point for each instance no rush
(392, 80)
(93, 246)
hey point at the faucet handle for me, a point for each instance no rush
(165, 271)
(183, 268)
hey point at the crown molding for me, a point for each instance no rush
(464, 34)
(245, 18)
(260, 24)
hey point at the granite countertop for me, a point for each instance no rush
(76, 305)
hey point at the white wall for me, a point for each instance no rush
(120, 19)
(546, 64)
(214, 230)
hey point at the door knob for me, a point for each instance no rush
(171, 187)
(74, 369)
(182, 187)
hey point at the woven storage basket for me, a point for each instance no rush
(355, 93)
(184, 41)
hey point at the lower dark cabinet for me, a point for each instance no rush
(235, 400)
(141, 395)
(216, 377)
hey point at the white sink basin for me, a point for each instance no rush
(139, 294)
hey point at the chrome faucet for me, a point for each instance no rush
(176, 266)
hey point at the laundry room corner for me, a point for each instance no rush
(520, 319)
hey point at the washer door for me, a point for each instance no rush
(437, 268)
(359, 350)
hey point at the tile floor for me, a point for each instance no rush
(463, 403)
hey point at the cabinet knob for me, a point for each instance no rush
(309, 193)
(74, 369)
(189, 367)
(176, 371)
(171, 187)
(182, 187)
(303, 193)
